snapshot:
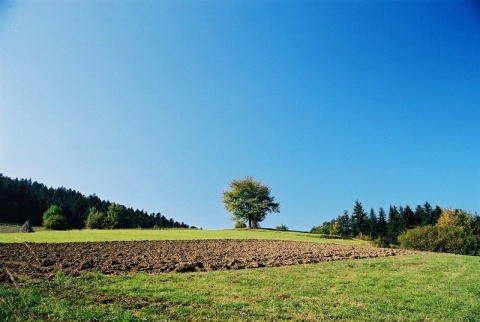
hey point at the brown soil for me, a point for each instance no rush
(42, 260)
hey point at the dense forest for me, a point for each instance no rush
(423, 228)
(387, 226)
(23, 200)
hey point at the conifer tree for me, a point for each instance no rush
(428, 218)
(359, 219)
(382, 230)
(409, 219)
(394, 225)
(345, 224)
(372, 224)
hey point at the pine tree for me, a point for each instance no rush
(359, 219)
(409, 219)
(382, 229)
(345, 224)
(394, 225)
(436, 214)
(429, 220)
(402, 222)
(420, 216)
(372, 224)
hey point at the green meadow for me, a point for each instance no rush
(430, 287)
(92, 235)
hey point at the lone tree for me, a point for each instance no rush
(249, 201)
(54, 219)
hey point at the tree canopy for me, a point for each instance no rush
(425, 228)
(249, 201)
(54, 219)
(22, 200)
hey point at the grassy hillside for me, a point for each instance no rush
(431, 287)
(166, 234)
(407, 288)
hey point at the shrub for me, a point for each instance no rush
(240, 224)
(442, 239)
(364, 237)
(382, 242)
(96, 219)
(54, 219)
(317, 230)
(282, 227)
(55, 222)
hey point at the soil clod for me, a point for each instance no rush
(171, 256)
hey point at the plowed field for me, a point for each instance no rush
(42, 260)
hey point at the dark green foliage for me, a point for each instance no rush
(382, 230)
(24, 200)
(408, 217)
(240, 224)
(382, 226)
(116, 216)
(436, 213)
(317, 230)
(359, 220)
(456, 231)
(344, 224)
(428, 218)
(372, 224)
(56, 222)
(395, 226)
(324, 229)
(282, 227)
(382, 241)
(249, 201)
(420, 216)
(453, 230)
(430, 215)
(54, 219)
(448, 239)
(96, 219)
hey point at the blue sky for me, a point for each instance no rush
(158, 105)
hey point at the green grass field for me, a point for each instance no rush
(48, 236)
(433, 287)
(7, 227)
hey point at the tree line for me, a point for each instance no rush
(423, 228)
(22, 200)
(385, 226)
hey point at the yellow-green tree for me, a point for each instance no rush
(335, 229)
(96, 219)
(456, 218)
(116, 216)
(249, 201)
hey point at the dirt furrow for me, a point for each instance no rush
(42, 260)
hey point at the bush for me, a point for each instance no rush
(441, 239)
(240, 224)
(96, 220)
(282, 227)
(382, 242)
(364, 237)
(55, 222)
(316, 230)
(54, 219)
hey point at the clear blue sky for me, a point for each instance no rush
(158, 105)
